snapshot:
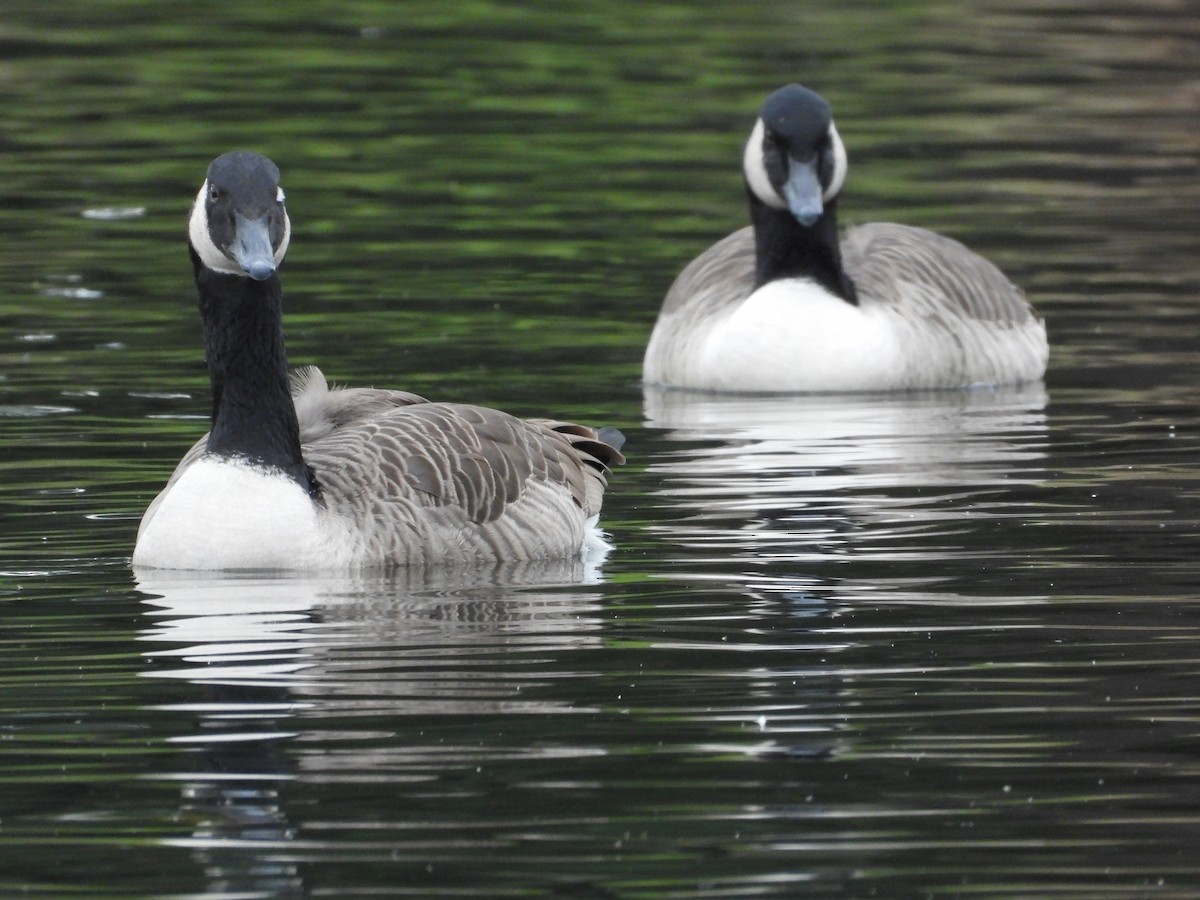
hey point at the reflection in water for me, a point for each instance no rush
(282, 659)
(811, 510)
(807, 480)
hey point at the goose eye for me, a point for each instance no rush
(214, 193)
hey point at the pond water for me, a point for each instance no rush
(897, 646)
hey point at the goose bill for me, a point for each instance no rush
(802, 191)
(252, 248)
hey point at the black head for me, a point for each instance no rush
(794, 159)
(239, 225)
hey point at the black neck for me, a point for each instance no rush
(253, 415)
(786, 249)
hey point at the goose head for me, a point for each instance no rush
(238, 224)
(794, 159)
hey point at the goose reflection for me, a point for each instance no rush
(303, 681)
(788, 518)
(811, 479)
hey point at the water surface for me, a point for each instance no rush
(899, 646)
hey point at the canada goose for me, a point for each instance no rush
(782, 306)
(319, 478)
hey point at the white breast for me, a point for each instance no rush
(224, 514)
(789, 335)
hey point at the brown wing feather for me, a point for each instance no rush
(881, 255)
(439, 481)
(475, 460)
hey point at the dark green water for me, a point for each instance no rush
(906, 646)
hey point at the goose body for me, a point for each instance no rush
(295, 475)
(789, 305)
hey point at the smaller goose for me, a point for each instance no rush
(785, 306)
(297, 476)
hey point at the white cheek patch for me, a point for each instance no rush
(755, 170)
(287, 234)
(840, 165)
(210, 256)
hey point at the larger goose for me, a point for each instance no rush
(787, 306)
(341, 479)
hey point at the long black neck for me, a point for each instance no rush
(786, 249)
(253, 415)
